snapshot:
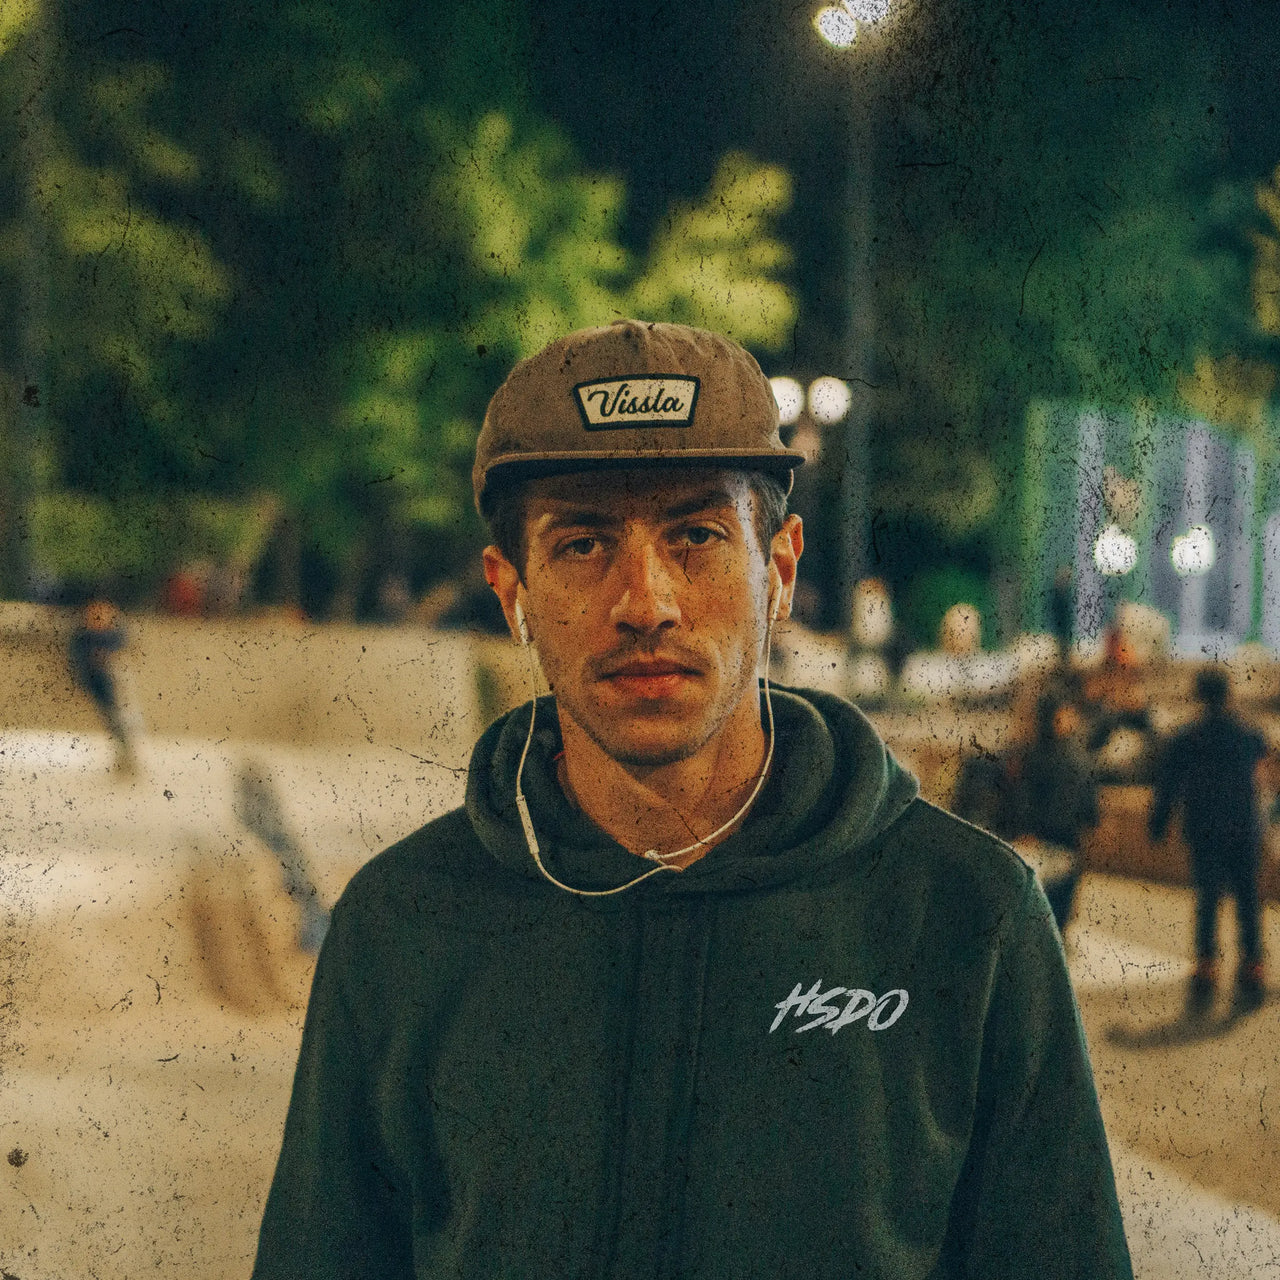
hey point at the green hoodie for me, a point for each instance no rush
(843, 1043)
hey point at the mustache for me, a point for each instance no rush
(641, 651)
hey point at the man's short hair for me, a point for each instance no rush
(505, 509)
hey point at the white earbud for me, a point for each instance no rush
(775, 602)
(521, 625)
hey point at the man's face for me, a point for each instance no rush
(645, 592)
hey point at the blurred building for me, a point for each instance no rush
(1159, 511)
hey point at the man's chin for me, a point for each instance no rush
(640, 743)
(649, 757)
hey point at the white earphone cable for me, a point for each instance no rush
(652, 854)
(662, 859)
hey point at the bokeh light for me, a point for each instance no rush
(1194, 552)
(837, 27)
(829, 400)
(867, 10)
(790, 397)
(1115, 552)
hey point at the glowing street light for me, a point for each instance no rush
(790, 397)
(1193, 553)
(829, 400)
(836, 26)
(1115, 552)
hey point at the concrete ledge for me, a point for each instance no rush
(263, 681)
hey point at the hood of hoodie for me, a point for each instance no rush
(834, 787)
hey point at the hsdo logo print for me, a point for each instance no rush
(815, 1005)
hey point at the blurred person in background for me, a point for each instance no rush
(96, 640)
(394, 601)
(597, 1021)
(1054, 801)
(185, 589)
(875, 631)
(872, 624)
(871, 627)
(1117, 710)
(960, 631)
(1208, 771)
(983, 793)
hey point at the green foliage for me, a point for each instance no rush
(113, 292)
(1266, 272)
(538, 236)
(15, 18)
(86, 539)
(124, 282)
(1094, 269)
(294, 258)
(716, 263)
(1057, 227)
(83, 538)
(1233, 384)
(949, 486)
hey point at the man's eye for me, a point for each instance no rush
(698, 535)
(579, 546)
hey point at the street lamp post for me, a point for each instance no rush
(844, 27)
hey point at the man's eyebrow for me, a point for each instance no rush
(571, 517)
(704, 501)
(603, 518)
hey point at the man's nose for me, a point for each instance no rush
(647, 597)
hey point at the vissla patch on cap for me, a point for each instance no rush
(662, 401)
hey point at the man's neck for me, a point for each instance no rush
(666, 807)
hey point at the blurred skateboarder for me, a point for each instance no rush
(1208, 768)
(94, 644)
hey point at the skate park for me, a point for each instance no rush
(155, 989)
(1013, 275)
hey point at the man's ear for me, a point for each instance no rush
(501, 575)
(784, 556)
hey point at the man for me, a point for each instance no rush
(1209, 768)
(694, 985)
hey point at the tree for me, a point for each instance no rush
(110, 294)
(1058, 221)
(290, 259)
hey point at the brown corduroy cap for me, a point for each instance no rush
(631, 393)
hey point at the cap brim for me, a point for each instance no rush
(587, 460)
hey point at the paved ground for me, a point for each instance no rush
(153, 999)
(1192, 1114)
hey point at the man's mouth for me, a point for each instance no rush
(650, 677)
